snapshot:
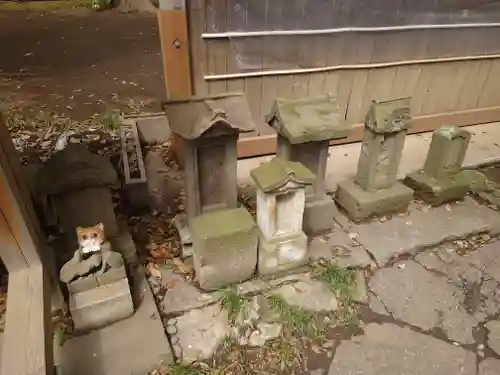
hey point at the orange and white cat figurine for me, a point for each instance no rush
(93, 240)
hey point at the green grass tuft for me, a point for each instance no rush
(233, 303)
(109, 120)
(341, 282)
(180, 369)
(295, 320)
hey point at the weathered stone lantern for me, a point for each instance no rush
(441, 179)
(304, 129)
(281, 194)
(375, 190)
(209, 127)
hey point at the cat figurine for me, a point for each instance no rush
(93, 240)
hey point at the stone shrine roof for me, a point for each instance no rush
(278, 173)
(308, 120)
(192, 118)
(389, 116)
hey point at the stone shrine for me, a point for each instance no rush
(375, 190)
(304, 129)
(281, 199)
(441, 178)
(209, 128)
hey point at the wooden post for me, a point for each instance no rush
(173, 26)
(27, 341)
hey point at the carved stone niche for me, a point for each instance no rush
(441, 179)
(209, 127)
(281, 194)
(375, 189)
(304, 129)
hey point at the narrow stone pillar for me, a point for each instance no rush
(281, 200)
(375, 189)
(441, 179)
(209, 127)
(304, 129)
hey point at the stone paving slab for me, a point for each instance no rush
(493, 328)
(337, 247)
(387, 349)
(423, 227)
(132, 346)
(425, 300)
(489, 366)
(182, 296)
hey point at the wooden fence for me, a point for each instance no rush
(444, 70)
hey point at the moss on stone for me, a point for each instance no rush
(278, 172)
(308, 120)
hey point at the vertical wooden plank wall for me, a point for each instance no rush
(435, 88)
(27, 341)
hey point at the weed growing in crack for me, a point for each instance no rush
(295, 321)
(233, 303)
(180, 369)
(341, 281)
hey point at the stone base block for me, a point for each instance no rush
(361, 204)
(318, 216)
(224, 247)
(437, 191)
(101, 306)
(282, 253)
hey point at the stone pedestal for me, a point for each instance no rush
(97, 300)
(375, 190)
(224, 247)
(304, 129)
(441, 179)
(281, 195)
(209, 128)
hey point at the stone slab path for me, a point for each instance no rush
(428, 296)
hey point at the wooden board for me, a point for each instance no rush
(265, 145)
(27, 339)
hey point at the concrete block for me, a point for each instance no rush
(181, 224)
(361, 204)
(318, 216)
(224, 247)
(134, 171)
(436, 191)
(153, 129)
(98, 307)
(282, 253)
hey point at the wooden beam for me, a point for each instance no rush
(27, 339)
(265, 145)
(173, 26)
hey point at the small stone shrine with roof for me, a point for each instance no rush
(305, 128)
(281, 195)
(209, 127)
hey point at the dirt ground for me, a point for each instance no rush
(79, 62)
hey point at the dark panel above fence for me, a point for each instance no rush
(257, 15)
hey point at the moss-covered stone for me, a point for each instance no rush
(224, 247)
(436, 191)
(308, 120)
(278, 173)
(389, 116)
(360, 204)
